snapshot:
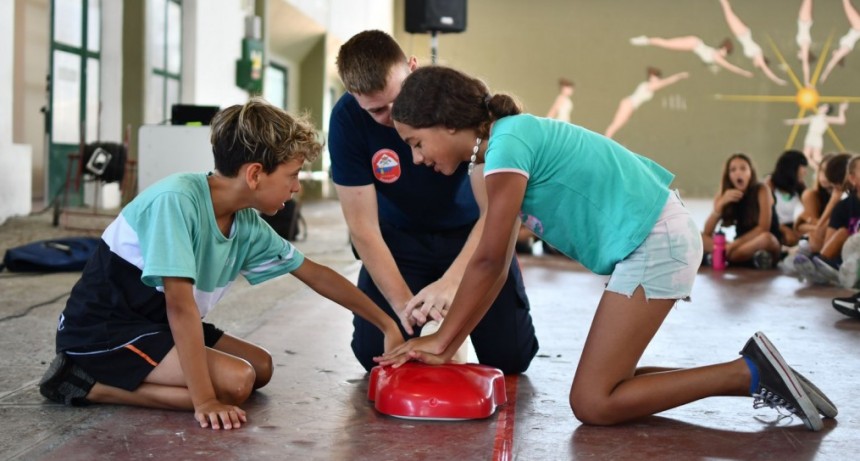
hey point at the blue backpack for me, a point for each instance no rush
(58, 255)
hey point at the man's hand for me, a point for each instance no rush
(432, 302)
(217, 415)
(403, 315)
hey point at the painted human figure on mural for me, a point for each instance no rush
(818, 125)
(643, 93)
(751, 49)
(563, 104)
(847, 42)
(709, 55)
(804, 38)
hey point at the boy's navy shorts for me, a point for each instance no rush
(127, 365)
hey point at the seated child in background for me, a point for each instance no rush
(818, 202)
(814, 200)
(841, 249)
(747, 204)
(817, 205)
(832, 174)
(787, 184)
(131, 332)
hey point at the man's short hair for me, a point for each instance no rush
(365, 61)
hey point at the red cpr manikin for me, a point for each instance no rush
(437, 392)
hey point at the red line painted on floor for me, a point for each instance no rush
(503, 448)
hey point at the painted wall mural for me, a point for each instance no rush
(807, 96)
(755, 73)
(642, 94)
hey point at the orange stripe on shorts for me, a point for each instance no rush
(142, 354)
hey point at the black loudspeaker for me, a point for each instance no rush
(184, 114)
(424, 16)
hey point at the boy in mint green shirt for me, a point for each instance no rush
(131, 332)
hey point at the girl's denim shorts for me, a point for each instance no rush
(666, 263)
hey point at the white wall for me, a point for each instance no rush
(168, 149)
(349, 17)
(15, 160)
(213, 31)
(7, 38)
(111, 128)
(110, 94)
(30, 68)
(345, 18)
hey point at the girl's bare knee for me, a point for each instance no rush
(591, 409)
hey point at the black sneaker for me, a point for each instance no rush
(778, 386)
(762, 259)
(849, 306)
(64, 382)
(825, 406)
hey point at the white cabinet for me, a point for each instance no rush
(167, 149)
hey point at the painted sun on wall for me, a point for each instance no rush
(809, 83)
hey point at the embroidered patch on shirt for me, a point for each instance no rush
(386, 165)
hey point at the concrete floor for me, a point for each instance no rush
(316, 406)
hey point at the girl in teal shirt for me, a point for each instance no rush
(603, 205)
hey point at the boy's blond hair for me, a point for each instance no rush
(258, 132)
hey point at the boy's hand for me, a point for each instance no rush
(217, 415)
(393, 339)
(426, 349)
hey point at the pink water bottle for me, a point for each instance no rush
(718, 257)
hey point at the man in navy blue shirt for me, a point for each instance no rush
(413, 228)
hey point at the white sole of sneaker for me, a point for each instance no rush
(845, 307)
(825, 406)
(812, 419)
